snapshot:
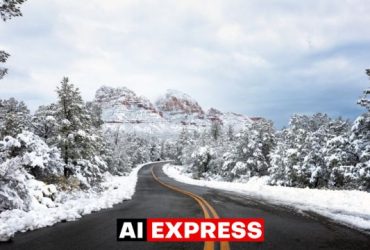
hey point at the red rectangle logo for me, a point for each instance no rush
(171, 230)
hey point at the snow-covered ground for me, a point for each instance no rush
(66, 206)
(351, 208)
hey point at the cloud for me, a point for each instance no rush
(259, 58)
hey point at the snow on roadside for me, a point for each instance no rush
(351, 208)
(68, 206)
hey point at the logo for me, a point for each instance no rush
(131, 229)
(172, 230)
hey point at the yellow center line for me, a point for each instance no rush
(224, 245)
(208, 245)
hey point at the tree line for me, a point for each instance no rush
(63, 143)
(313, 151)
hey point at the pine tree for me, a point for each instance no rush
(3, 57)
(282, 161)
(44, 123)
(216, 130)
(14, 117)
(360, 138)
(253, 147)
(71, 118)
(230, 133)
(95, 112)
(181, 144)
(80, 141)
(364, 100)
(8, 9)
(201, 159)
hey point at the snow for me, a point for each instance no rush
(123, 109)
(67, 206)
(351, 208)
(10, 142)
(179, 95)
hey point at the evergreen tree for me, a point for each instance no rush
(14, 117)
(230, 133)
(8, 9)
(200, 161)
(216, 130)
(364, 100)
(253, 147)
(71, 117)
(3, 57)
(360, 138)
(95, 112)
(283, 161)
(181, 145)
(44, 123)
(80, 142)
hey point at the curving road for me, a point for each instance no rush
(160, 196)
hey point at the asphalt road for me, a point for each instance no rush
(284, 228)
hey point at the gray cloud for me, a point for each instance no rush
(268, 59)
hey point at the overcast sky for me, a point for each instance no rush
(259, 58)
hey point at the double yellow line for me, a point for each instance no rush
(208, 211)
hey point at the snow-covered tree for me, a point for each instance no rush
(216, 130)
(364, 101)
(360, 138)
(200, 161)
(14, 117)
(95, 113)
(129, 149)
(284, 162)
(168, 149)
(341, 161)
(184, 147)
(8, 9)
(226, 155)
(44, 123)
(155, 149)
(3, 57)
(230, 133)
(119, 161)
(253, 148)
(308, 151)
(78, 138)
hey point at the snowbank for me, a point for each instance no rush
(68, 206)
(351, 208)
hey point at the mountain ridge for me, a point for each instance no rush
(168, 115)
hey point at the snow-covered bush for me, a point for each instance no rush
(13, 189)
(34, 154)
(200, 161)
(21, 160)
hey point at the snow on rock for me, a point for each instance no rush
(121, 105)
(178, 103)
(67, 206)
(346, 207)
(123, 109)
